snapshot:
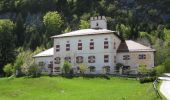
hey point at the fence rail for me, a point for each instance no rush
(155, 84)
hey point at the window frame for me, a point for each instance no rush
(91, 59)
(106, 58)
(67, 47)
(57, 48)
(57, 60)
(106, 44)
(126, 57)
(91, 45)
(78, 59)
(67, 59)
(92, 68)
(80, 46)
(142, 56)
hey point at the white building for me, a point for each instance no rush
(98, 49)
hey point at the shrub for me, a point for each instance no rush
(118, 66)
(66, 67)
(83, 68)
(147, 79)
(34, 70)
(159, 69)
(167, 65)
(142, 69)
(8, 69)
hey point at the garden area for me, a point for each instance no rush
(79, 88)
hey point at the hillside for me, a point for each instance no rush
(145, 15)
(28, 24)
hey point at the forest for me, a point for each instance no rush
(27, 25)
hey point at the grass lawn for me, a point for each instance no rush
(58, 88)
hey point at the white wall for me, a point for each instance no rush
(134, 61)
(98, 51)
(47, 61)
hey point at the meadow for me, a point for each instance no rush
(59, 88)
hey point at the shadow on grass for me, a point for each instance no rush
(70, 76)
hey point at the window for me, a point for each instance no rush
(79, 59)
(142, 56)
(114, 59)
(107, 69)
(57, 69)
(67, 47)
(57, 48)
(41, 63)
(114, 46)
(91, 45)
(106, 58)
(106, 44)
(68, 59)
(50, 65)
(92, 69)
(126, 57)
(91, 59)
(57, 60)
(79, 46)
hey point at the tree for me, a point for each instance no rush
(19, 30)
(66, 67)
(7, 43)
(84, 24)
(167, 65)
(52, 22)
(8, 69)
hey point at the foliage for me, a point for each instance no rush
(34, 70)
(7, 43)
(167, 65)
(159, 69)
(83, 68)
(8, 69)
(147, 79)
(84, 24)
(162, 52)
(68, 29)
(52, 22)
(66, 67)
(142, 69)
(25, 64)
(37, 20)
(119, 65)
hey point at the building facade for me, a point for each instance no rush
(98, 49)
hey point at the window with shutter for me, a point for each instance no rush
(91, 59)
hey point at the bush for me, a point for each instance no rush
(142, 69)
(66, 67)
(8, 69)
(83, 68)
(147, 79)
(167, 65)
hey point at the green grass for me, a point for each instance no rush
(58, 88)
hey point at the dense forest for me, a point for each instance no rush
(30, 23)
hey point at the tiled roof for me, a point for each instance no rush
(84, 32)
(130, 46)
(46, 53)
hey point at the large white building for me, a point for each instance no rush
(97, 48)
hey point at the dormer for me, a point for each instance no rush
(99, 22)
